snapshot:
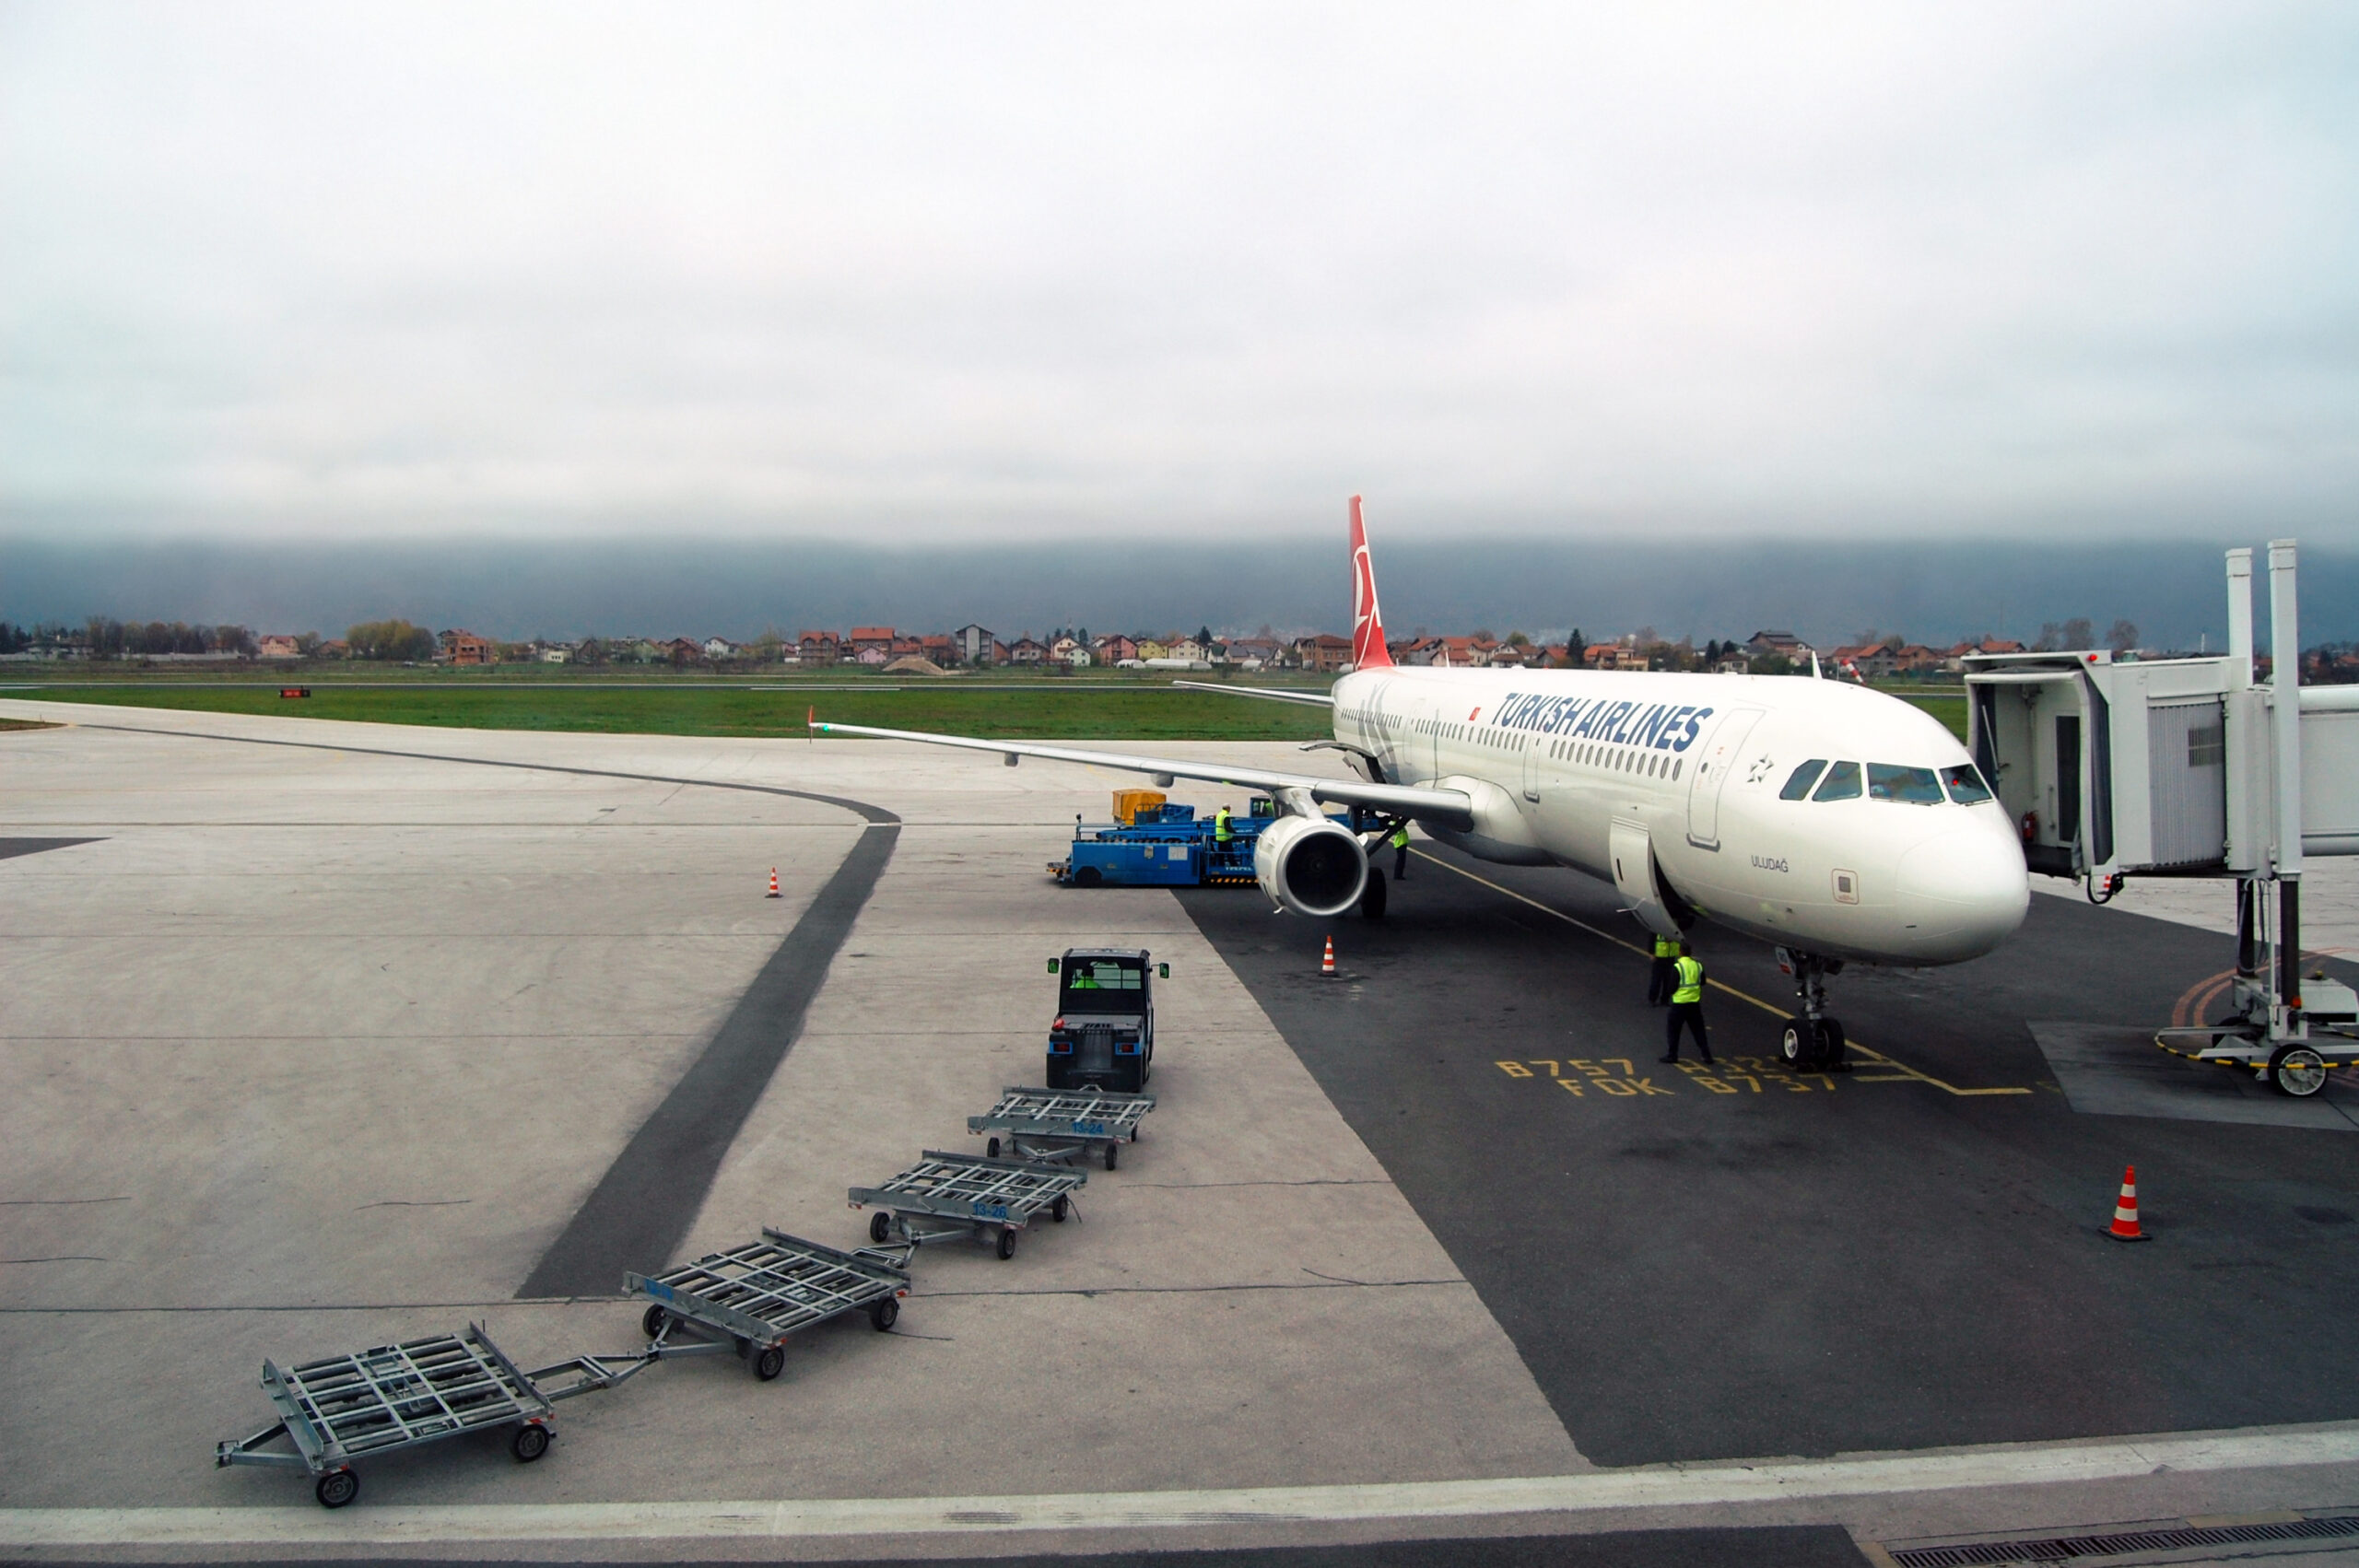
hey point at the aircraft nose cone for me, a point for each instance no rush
(1963, 891)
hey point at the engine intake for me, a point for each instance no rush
(1310, 865)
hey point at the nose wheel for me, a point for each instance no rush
(1812, 1040)
(1811, 1045)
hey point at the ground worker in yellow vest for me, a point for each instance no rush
(1401, 853)
(1686, 1006)
(1221, 835)
(1659, 977)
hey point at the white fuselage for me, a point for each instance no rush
(1573, 766)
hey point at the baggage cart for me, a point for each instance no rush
(972, 1196)
(751, 1298)
(404, 1396)
(1054, 1125)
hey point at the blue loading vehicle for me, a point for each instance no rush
(1154, 843)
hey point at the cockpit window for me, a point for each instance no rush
(1842, 783)
(1797, 786)
(1909, 786)
(1966, 784)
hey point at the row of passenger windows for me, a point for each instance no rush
(1581, 754)
(1621, 759)
(1885, 782)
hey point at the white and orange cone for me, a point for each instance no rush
(773, 892)
(1327, 964)
(2125, 1208)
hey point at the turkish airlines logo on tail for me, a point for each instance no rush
(1367, 624)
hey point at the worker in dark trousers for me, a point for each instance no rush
(1687, 1007)
(1659, 977)
(1401, 853)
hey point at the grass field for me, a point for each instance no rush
(1052, 710)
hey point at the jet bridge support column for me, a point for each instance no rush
(2285, 678)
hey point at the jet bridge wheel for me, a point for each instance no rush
(2297, 1071)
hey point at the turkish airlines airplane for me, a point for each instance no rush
(1834, 821)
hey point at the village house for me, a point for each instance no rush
(278, 645)
(819, 649)
(1024, 650)
(863, 640)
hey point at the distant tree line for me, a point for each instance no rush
(109, 638)
(390, 639)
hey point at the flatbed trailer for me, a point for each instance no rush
(972, 1196)
(404, 1396)
(1052, 1125)
(751, 1298)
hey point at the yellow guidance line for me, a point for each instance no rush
(1900, 1070)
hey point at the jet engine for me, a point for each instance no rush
(1311, 865)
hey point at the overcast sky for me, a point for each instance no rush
(1889, 271)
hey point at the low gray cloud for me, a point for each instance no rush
(976, 274)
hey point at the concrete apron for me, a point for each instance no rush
(1247, 1303)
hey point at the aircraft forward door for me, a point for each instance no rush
(1716, 761)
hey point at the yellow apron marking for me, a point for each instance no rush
(1899, 1071)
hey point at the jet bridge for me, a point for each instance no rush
(2190, 768)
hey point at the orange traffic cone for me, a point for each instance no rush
(1327, 964)
(773, 892)
(2125, 1209)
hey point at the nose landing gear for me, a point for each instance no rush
(1813, 1041)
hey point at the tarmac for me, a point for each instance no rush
(322, 1036)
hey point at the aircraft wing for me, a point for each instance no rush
(1312, 699)
(1452, 808)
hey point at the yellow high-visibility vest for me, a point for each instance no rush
(1666, 948)
(1401, 837)
(1691, 982)
(1220, 825)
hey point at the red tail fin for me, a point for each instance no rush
(1368, 651)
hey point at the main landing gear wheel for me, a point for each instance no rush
(2297, 1071)
(880, 1225)
(1372, 896)
(337, 1488)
